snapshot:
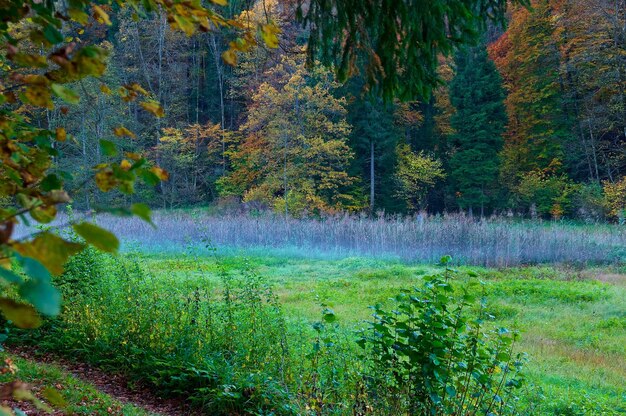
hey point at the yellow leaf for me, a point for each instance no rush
(50, 250)
(38, 96)
(123, 131)
(270, 32)
(105, 89)
(220, 2)
(44, 214)
(184, 25)
(61, 134)
(153, 107)
(160, 173)
(78, 16)
(105, 180)
(125, 164)
(21, 314)
(100, 15)
(230, 57)
(137, 88)
(133, 156)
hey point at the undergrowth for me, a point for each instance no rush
(228, 347)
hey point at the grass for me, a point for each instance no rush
(81, 397)
(573, 324)
(235, 334)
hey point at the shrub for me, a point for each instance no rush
(429, 356)
(616, 199)
(550, 193)
(589, 203)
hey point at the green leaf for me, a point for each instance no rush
(21, 314)
(108, 147)
(54, 397)
(9, 276)
(51, 182)
(43, 296)
(35, 270)
(52, 34)
(329, 316)
(98, 237)
(66, 94)
(142, 211)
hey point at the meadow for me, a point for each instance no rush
(273, 328)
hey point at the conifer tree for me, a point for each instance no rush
(479, 122)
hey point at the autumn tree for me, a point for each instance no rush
(192, 158)
(593, 37)
(293, 155)
(527, 56)
(417, 173)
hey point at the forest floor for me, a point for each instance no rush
(85, 389)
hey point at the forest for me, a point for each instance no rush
(530, 121)
(313, 207)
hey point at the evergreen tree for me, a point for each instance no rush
(373, 140)
(479, 122)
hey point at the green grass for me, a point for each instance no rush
(573, 321)
(81, 397)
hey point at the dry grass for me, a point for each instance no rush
(486, 242)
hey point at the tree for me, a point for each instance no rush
(547, 192)
(615, 195)
(479, 121)
(192, 158)
(400, 41)
(593, 69)
(373, 140)
(294, 155)
(528, 58)
(416, 174)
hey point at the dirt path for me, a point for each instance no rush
(115, 385)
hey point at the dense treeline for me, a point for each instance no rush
(531, 121)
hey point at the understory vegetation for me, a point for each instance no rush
(269, 335)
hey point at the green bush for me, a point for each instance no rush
(429, 356)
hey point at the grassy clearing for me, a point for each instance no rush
(573, 321)
(235, 334)
(81, 397)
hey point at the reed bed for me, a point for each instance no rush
(489, 242)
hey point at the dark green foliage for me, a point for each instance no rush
(400, 40)
(374, 135)
(479, 122)
(434, 356)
